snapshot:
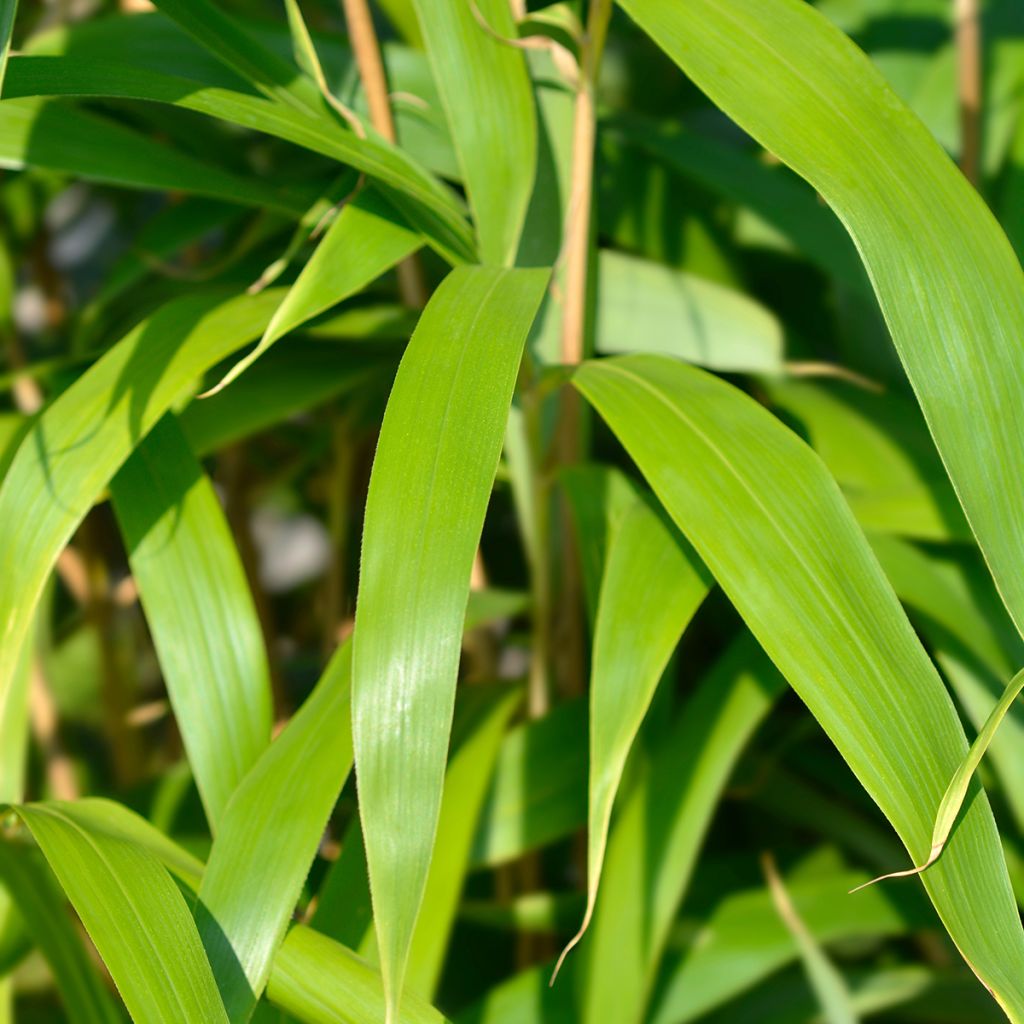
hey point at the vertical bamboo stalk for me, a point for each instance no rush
(969, 87)
(366, 48)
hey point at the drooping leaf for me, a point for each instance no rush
(269, 836)
(52, 135)
(133, 912)
(662, 823)
(366, 239)
(85, 435)
(952, 291)
(8, 9)
(652, 586)
(427, 204)
(43, 909)
(424, 515)
(192, 584)
(772, 527)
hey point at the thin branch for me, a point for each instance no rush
(363, 38)
(968, 59)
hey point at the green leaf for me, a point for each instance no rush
(485, 88)
(953, 799)
(826, 981)
(8, 10)
(428, 204)
(84, 436)
(268, 839)
(192, 584)
(649, 307)
(42, 905)
(742, 941)
(436, 459)
(539, 790)
(771, 525)
(952, 291)
(365, 240)
(469, 771)
(321, 982)
(878, 449)
(227, 40)
(653, 585)
(660, 829)
(133, 912)
(57, 137)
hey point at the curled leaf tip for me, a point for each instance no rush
(571, 944)
(933, 856)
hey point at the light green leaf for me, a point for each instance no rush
(192, 584)
(660, 829)
(268, 839)
(952, 291)
(539, 790)
(226, 39)
(653, 585)
(826, 981)
(133, 912)
(43, 909)
(321, 982)
(878, 449)
(365, 240)
(953, 799)
(771, 525)
(84, 436)
(8, 10)
(711, 969)
(486, 92)
(648, 307)
(431, 480)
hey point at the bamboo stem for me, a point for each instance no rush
(366, 49)
(969, 87)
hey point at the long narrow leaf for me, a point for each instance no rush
(436, 460)
(192, 584)
(771, 525)
(951, 291)
(485, 88)
(134, 913)
(269, 837)
(653, 584)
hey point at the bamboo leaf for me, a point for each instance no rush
(792, 560)
(424, 515)
(826, 981)
(646, 306)
(321, 982)
(485, 89)
(43, 909)
(660, 829)
(268, 839)
(8, 10)
(133, 912)
(951, 291)
(52, 135)
(653, 585)
(192, 584)
(364, 241)
(84, 436)
(418, 195)
(953, 799)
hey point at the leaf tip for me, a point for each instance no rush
(933, 856)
